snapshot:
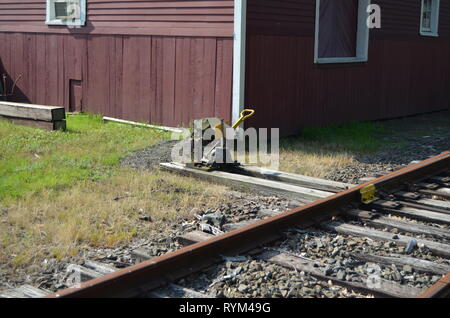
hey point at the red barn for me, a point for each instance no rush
(297, 62)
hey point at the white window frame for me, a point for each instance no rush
(435, 5)
(52, 20)
(362, 38)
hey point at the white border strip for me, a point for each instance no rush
(240, 29)
(121, 121)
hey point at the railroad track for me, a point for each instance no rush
(389, 237)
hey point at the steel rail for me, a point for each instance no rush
(153, 273)
(441, 289)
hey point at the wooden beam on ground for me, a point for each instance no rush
(99, 267)
(417, 264)
(304, 181)
(140, 255)
(246, 182)
(25, 291)
(85, 273)
(127, 122)
(349, 229)
(47, 125)
(435, 203)
(417, 214)
(422, 207)
(176, 291)
(425, 202)
(234, 226)
(380, 221)
(31, 111)
(382, 288)
(193, 237)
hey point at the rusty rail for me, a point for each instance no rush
(441, 289)
(155, 272)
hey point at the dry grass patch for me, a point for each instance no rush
(313, 160)
(319, 151)
(94, 214)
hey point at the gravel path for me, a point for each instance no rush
(392, 158)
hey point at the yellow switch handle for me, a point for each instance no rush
(245, 114)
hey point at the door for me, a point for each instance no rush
(76, 96)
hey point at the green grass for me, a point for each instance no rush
(33, 159)
(62, 193)
(354, 137)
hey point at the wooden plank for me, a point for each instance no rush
(435, 203)
(140, 255)
(176, 291)
(12, 293)
(263, 213)
(384, 287)
(422, 207)
(193, 237)
(25, 291)
(85, 273)
(234, 226)
(417, 264)
(47, 125)
(425, 202)
(305, 181)
(33, 292)
(99, 267)
(380, 221)
(30, 111)
(246, 182)
(417, 214)
(348, 229)
(133, 123)
(442, 193)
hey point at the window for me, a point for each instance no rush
(342, 34)
(429, 20)
(66, 12)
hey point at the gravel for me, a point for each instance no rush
(392, 158)
(256, 279)
(52, 273)
(151, 157)
(333, 250)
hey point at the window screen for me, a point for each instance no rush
(338, 26)
(60, 10)
(426, 15)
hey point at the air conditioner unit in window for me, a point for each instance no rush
(66, 12)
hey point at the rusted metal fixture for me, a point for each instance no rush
(135, 280)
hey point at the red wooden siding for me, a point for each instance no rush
(164, 80)
(169, 17)
(165, 62)
(281, 17)
(406, 73)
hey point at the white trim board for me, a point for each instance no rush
(240, 29)
(362, 37)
